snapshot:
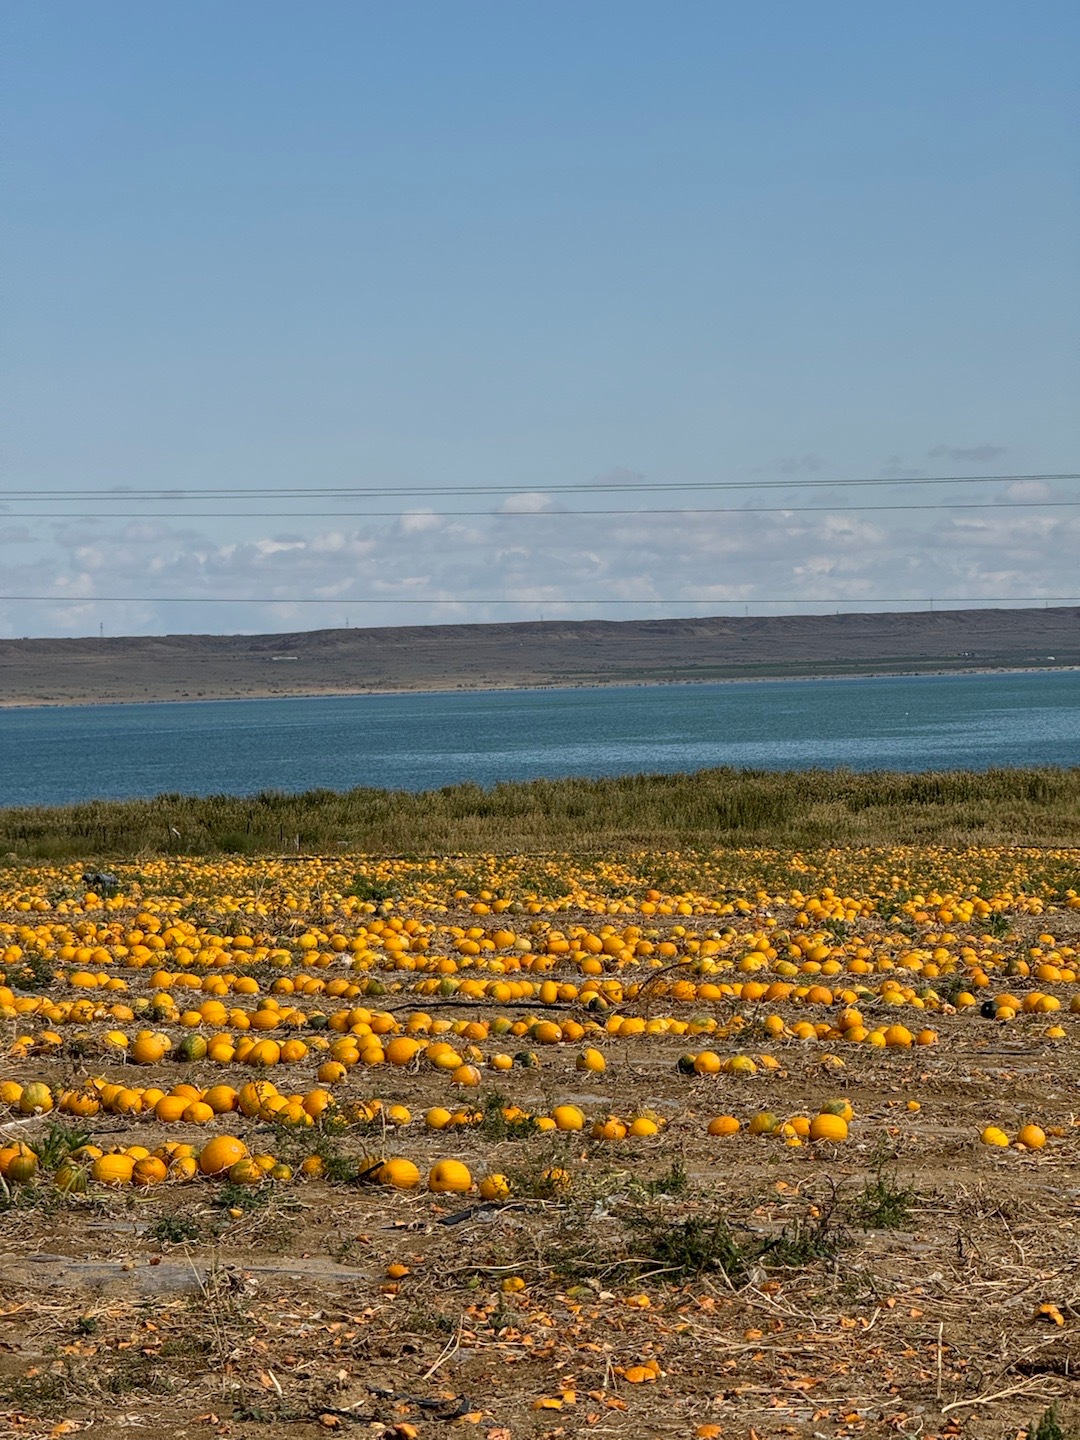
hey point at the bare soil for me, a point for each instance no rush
(161, 1314)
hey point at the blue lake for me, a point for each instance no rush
(415, 742)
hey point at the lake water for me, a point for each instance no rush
(415, 742)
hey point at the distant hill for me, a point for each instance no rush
(552, 652)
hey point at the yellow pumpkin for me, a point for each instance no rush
(568, 1117)
(495, 1187)
(170, 1108)
(994, 1135)
(254, 1095)
(398, 1173)
(182, 1169)
(449, 1176)
(591, 1061)
(221, 1098)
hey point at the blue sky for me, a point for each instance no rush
(434, 245)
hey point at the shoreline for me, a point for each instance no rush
(522, 687)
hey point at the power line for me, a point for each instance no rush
(537, 600)
(526, 514)
(174, 492)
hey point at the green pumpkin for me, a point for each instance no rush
(71, 1178)
(191, 1047)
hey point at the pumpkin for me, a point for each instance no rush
(148, 1049)
(192, 1047)
(495, 1187)
(246, 1172)
(723, 1125)
(115, 1170)
(568, 1117)
(450, 1176)
(183, 1168)
(149, 1171)
(401, 1050)
(398, 1173)
(555, 1180)
(828, 1127)
(219, 1154)
(994, 1135)
(84, 1103)
(610, 1129)
(317, 1102)
(36, 1099)
(591, 1061)
(264, 1053)
(170, 1108)
(221, 1099)
(838, 1107)
(70, 1178)
(254, 1095)
(643, 1126)
(764, 1123)
(18, 1164)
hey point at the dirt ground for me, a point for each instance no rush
(901, 1294)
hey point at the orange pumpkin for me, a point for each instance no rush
(219, 1154)
(114, 1170)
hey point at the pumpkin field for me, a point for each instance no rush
(749, 1142)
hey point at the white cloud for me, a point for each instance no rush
(417, 522)
(674, 564)
(1021, 490)
(526, 502)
